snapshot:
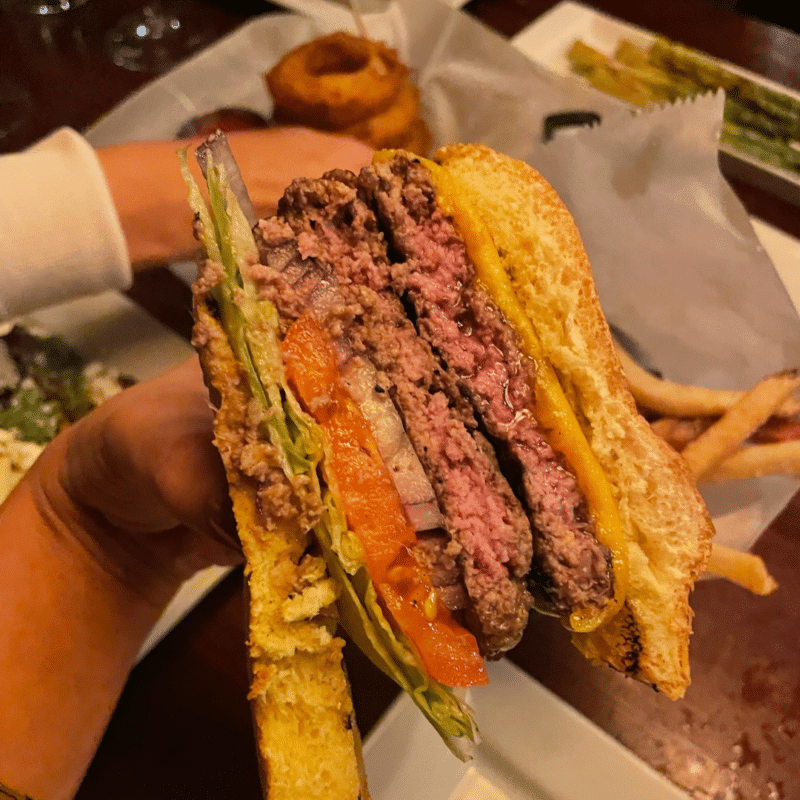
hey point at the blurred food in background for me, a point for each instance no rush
(45, 385)
(351, 85)
(223, 119)
(759, 122)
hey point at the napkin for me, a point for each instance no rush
(679, 268)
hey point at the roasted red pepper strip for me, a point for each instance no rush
(375, 512)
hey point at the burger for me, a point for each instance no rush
(427, 434)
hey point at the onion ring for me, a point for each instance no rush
(335, 81)
(389, 128)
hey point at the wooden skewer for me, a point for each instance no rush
(355, 8)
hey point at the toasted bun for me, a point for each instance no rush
(666, 524)
(308, 742)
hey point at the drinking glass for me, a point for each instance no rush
(41, 7)
(157, 37)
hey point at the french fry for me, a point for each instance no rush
(709, 426)
(725, 436)
(679, 431)
(745, 569)
(755, 461)
(682, 400)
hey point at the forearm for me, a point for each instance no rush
(150, 196)
(70, 629)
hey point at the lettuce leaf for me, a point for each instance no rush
(253, 332)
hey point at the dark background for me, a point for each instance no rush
(55, 58)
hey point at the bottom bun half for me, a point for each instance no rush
(308, 743)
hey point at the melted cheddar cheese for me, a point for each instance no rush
(553, 411)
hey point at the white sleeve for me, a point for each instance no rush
(60, 237)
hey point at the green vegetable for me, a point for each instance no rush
(54, 366)
(252, 328)
(28, 412)
(758, 121)
(49, 390)
(759, 146)
(365, 623)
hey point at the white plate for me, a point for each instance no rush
(115, 331)
(784, 250)
(535, 747)
(548, 38)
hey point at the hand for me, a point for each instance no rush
(150, 196)
(143, 476)
(270, 160)
(116, 512)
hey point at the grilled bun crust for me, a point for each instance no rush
(666, 524)
(308, 742)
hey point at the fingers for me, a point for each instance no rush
(144, 467)
(146, 459)
(271, 159)
(189, 476)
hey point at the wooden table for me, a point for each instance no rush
(183, 729)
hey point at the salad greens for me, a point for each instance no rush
(44, 388)
(251, 325)
(31, 415)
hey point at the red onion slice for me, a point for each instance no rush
(217, 146)
(410, 480)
